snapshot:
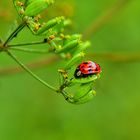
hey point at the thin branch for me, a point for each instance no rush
(104, 18)
(28, 44)
(30, 72)
(14, 33)
(28, 50)
(36, 64)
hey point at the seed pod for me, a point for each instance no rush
(74, 60)
(81, 47)
(50, 24)
(89, 96)
(67, 47)
(75, 36)
(58, 28)
(82, 91)
(85, 79)
(69, 38)
(37, 6)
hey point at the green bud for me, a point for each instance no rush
(33, 26)
(67, 47)
(82, 47)
(83, 99)
(82, 91)
(19, 7)
(74, 60)
(69, 38)
(59, 28)
(88, 97)
(67, 22)
(37, 6)
(50, 24)
(75, 36)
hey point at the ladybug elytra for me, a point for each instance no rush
(86, 69)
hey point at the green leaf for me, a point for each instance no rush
(37, 6)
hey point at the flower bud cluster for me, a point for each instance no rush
(69, 47)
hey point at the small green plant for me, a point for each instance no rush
(69, 47)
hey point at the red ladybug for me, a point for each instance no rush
(87, 68)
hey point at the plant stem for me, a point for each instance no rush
(30, 72)
(14, 33)
(29, 50)
(36, 64)
(28, 44)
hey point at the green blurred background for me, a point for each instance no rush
(29, 111)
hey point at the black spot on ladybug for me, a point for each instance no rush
(90, 70)
(90, 66)
(85, 62)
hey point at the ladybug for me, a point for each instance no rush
(86, 69)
